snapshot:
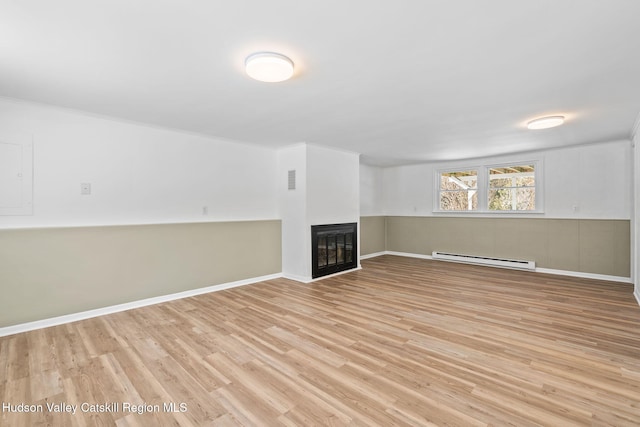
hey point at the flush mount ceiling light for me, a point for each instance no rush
(269, 67)
(545, 122)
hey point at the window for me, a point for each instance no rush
(511, 187)
(459, 191)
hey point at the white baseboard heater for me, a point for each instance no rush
(490, 261)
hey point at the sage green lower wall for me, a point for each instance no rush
(51, 272)
(577, 245)
(372, 234)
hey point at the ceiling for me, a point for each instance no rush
(398, 81)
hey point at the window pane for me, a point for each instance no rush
(512, 169)
(526, 181)
(509, 199)
(459, 200)
(463, 180)
(526, 199)
(500, 200)
(500, 182)
(512, 176)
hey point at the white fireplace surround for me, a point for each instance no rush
(327, 191)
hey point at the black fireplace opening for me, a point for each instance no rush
(334, 248)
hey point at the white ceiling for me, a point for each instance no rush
(399, 81)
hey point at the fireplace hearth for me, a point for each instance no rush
(334, 248)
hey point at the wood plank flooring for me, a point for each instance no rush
(403, 342)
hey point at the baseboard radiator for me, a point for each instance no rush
(490, 261)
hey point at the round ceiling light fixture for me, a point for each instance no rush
(545, 122)
(269, 67)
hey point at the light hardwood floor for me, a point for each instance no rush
(402, 342)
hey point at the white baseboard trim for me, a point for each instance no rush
(538, 270)
(408, 255)
(584, 275)
(301, 279)
(373, 255)
(636, 294)
(74, 317)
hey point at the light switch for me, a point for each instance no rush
(85, 189)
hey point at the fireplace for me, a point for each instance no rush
(334, 248)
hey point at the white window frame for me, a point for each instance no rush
(537, 166)
(479, 171)
(483, 187)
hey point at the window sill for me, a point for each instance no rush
(490, 213)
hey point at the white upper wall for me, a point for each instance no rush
(142, 174)
(333, 186)
(597, 179)
(590, 181)
(139, 174)
(296, 239)
(371, 201)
